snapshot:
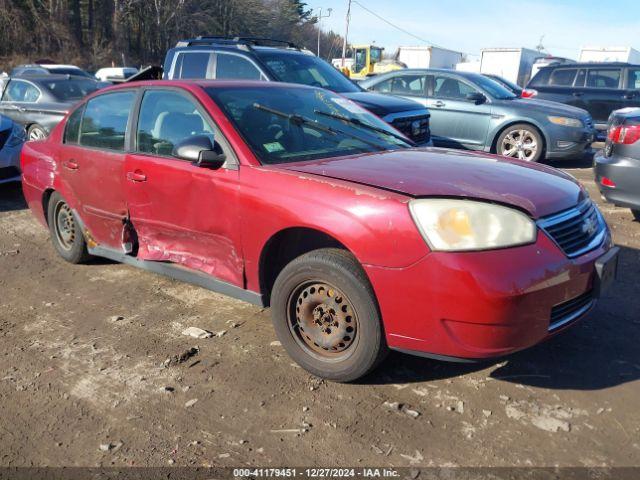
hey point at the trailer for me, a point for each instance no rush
(513, 64)
(428, 57)
(473, 66)
(610, 54)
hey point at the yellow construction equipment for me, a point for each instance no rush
(367, 61)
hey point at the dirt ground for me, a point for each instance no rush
(84, 379)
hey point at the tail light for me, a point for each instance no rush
(607, 182)
(528, 93)
(624, 134)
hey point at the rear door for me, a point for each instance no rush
(182, 213)
(92, 160)
(18, 98)
(631, 93)
(603, 93)
(455, 121)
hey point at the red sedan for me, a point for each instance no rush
(297, 198)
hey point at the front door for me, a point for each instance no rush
(182, 213)
(455, 121)
(92, 160)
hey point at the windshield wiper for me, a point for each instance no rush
(296, 119)
(360, 123)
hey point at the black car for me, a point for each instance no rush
(599, 88)
(617, 167)
(273, 60)
(40, 102)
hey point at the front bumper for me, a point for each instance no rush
(10, 163)
(477, 305)
(625, 173)
(569, 142)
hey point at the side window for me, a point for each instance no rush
(582, 74)
(603, 78)
(18, 91)
(235, 67)
(192, 65)
(447, 87)
(409, 85)
(166, 118)
(105, 119)
(633, 79)
(563, 77)
(542, 78)
(384, 86)
(72, 128)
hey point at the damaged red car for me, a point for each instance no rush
(296, 198)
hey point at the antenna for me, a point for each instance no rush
(540, 46)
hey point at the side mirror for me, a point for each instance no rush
(476, 97)
(200, 151)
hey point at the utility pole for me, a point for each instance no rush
(346, 34)
(320, 17)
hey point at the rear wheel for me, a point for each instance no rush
(36, 132)
(521, 141)
(66, 234)
(636, 214)
(326, 315)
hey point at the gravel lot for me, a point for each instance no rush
(84, 379)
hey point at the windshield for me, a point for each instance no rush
(306, 70)
(493, 88)
(283, 124)
(65, 90)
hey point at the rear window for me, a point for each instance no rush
(604, 78)
(192, 65)
(541, 78)
(563, 77)
(65, 90)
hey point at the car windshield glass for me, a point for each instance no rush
(306, 70)
(69, 71)
(282, 125)
(65, 90)
(493, 88)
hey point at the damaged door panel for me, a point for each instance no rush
(181, 212)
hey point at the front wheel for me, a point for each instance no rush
(636, 214)
(36, 132)
(326, 316)
(521, 141)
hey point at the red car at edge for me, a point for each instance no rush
(296, 198)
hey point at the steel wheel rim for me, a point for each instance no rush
(322, 321)
(521, 144)
(36, 134)
(65, 226)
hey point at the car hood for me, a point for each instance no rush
(547, 107)
(382, 105)
(434, 172)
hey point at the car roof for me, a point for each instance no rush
(589, 65)
(40, 77)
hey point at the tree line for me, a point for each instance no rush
(99, 33)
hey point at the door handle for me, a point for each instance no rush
(136, 176)
(71, 165)
(22, 109)
(577, 94)
(439, 104)
(629, 96)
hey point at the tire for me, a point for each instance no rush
(35, 132)
(66, 235)
(509, 143)
(326, 316)
(636, 214)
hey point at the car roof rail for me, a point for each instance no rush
(238, 41)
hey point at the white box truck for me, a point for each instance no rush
(610, 54)
(513, 64)
(428, 57)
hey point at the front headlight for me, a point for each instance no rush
(458, 225)
(566, 121)
(17, 137)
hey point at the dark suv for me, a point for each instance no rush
(245, 58)
(599, 88)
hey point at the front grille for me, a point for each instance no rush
(416, 128)
(566, 312)
(4, 135)
(9, 172)
(578, 230)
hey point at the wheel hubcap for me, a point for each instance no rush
(322, 320)
(65, 226)
(520, 144)
(37, 134)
